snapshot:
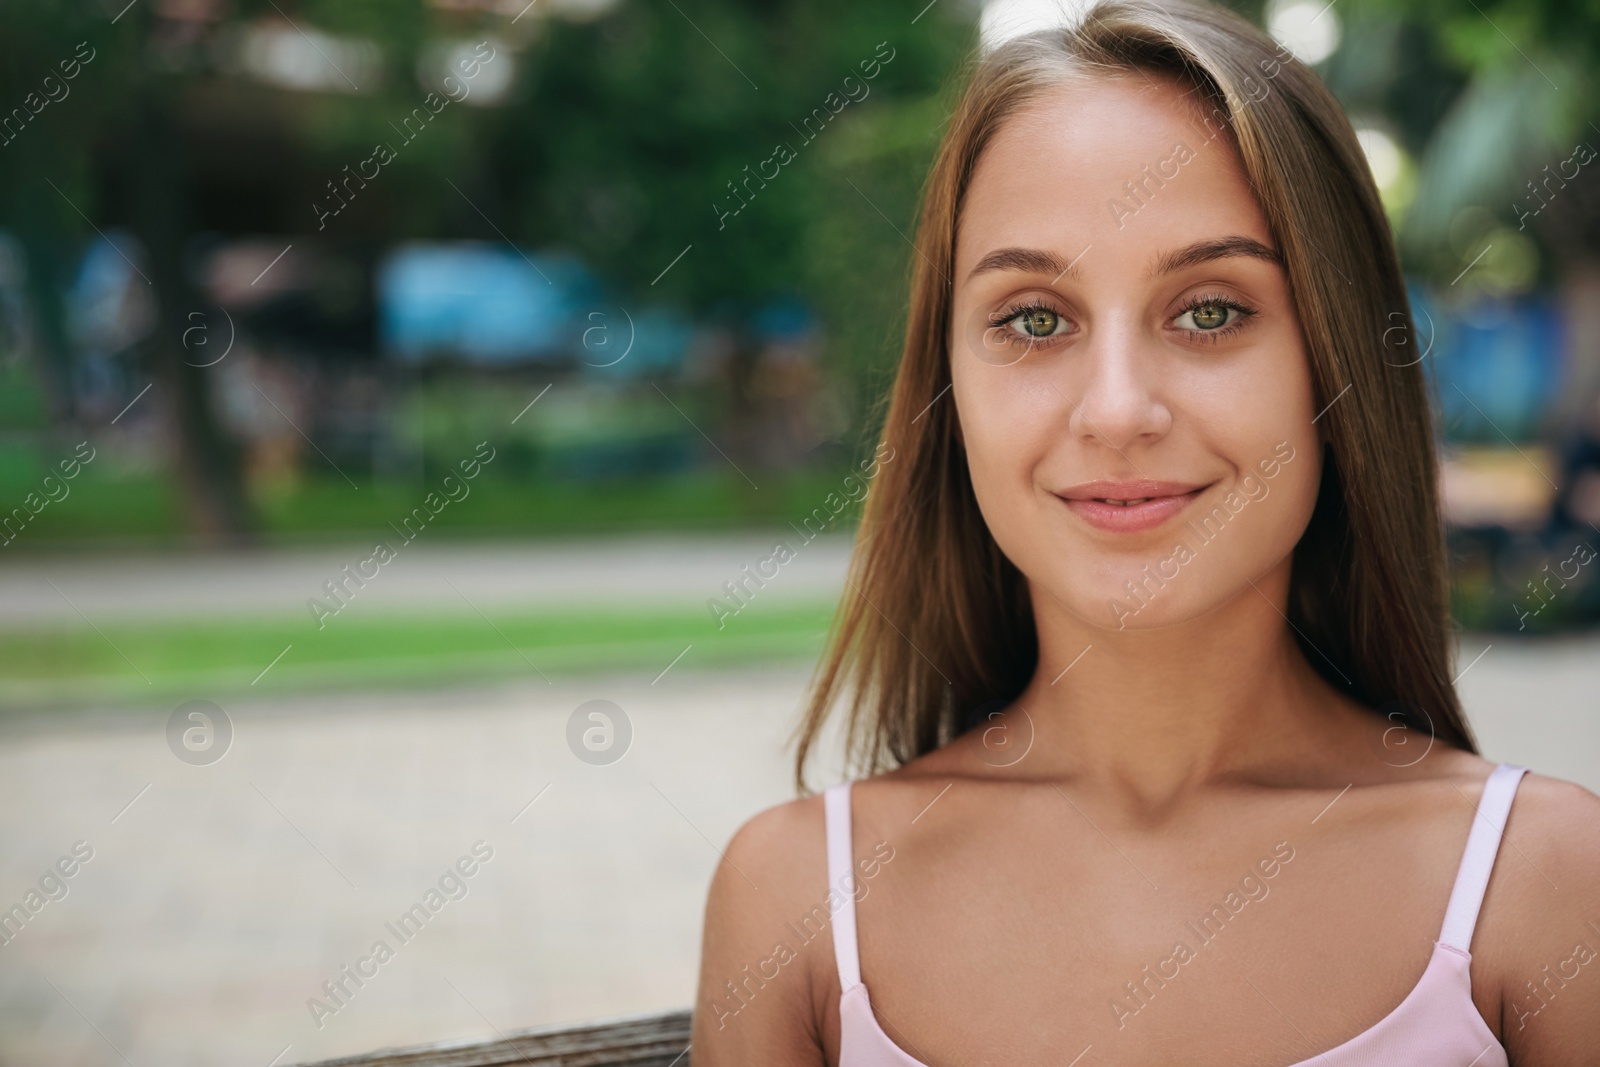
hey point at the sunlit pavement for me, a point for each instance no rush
(220, 898)
(216, 905)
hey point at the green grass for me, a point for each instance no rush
(221, 658)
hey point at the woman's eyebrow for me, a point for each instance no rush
(1212, 249)
(1027, 260)
(1040, 261)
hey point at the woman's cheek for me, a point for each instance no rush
(1005, 429)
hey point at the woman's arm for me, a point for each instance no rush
(1540, 926)
(761, 985)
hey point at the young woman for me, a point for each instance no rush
(1146, 640)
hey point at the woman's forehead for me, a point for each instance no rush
(1125, 163)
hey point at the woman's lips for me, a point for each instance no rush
(1159, 502)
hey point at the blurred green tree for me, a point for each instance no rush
(1496, 100)
(645, 140)
(68, 73)
(720, 153)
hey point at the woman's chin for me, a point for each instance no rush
(1114, 606)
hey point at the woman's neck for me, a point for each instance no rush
(1154, 715)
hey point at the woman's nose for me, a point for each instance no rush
(1115, 388)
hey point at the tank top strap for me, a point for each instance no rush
(1477, 861)
(841, 884)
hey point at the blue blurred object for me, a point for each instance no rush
(626, 344)
(786, 319)
(1498, 362)
(482, 303)
(107, 312)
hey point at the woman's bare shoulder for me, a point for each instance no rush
(775, 860)
(1552, 836)
(761, 983)
(771, 835)
(1539, 930)
(1549, 807)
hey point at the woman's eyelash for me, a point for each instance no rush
(1246, 312)
(1011, 313)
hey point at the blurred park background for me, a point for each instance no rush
(512, 289)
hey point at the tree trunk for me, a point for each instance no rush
(41, 249)
(205, 460)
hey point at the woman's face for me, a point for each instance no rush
(1122, 331)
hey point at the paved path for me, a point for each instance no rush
(592, 572)
(219, 898)
(217, 903)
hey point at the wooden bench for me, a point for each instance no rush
(636, 1041)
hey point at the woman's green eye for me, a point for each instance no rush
(1038, 322)
(1209, 316)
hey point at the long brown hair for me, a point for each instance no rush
(935, 626)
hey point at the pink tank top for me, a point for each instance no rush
(1436, 1025)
